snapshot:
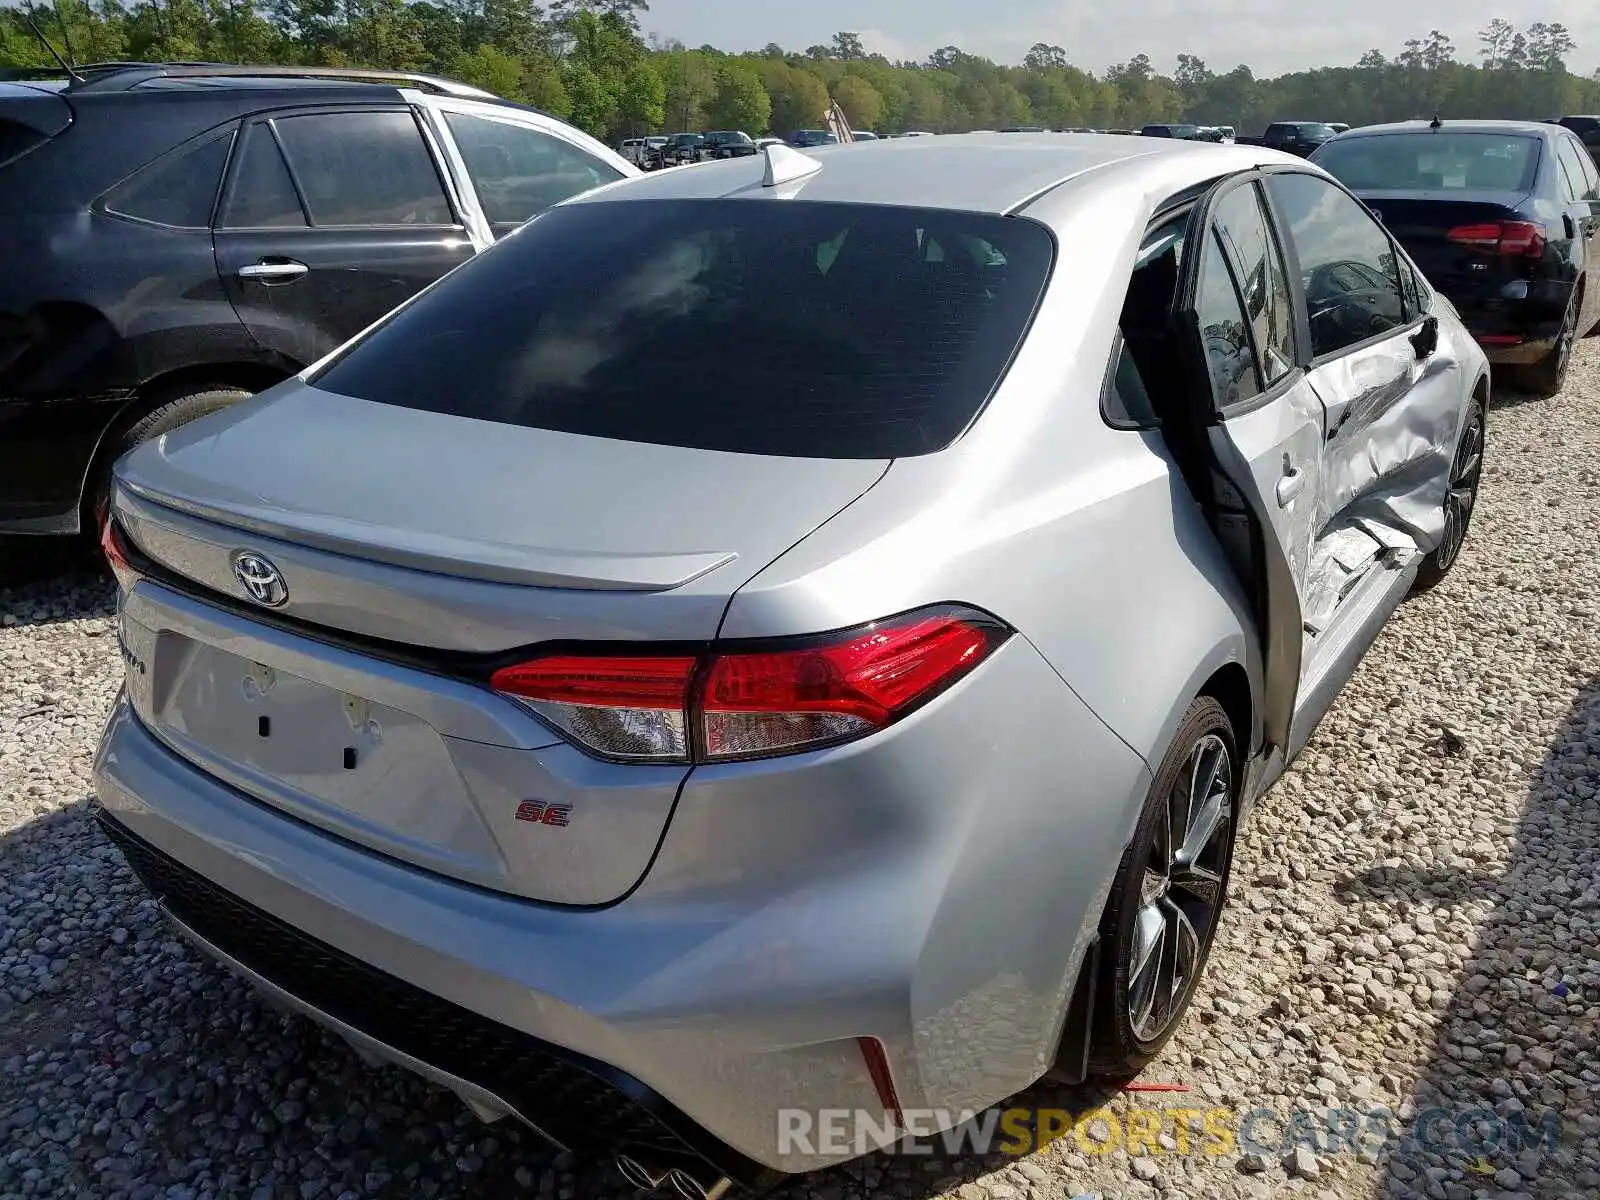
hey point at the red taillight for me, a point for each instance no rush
(1513, 239)
(758, 702)
(763, 703)
(111, 545)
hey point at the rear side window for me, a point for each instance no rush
(1571, 157)
(364, 168)
(262, 195)
(177, 189)
(764, 327)
(16, 139)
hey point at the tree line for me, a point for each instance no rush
(590, 62)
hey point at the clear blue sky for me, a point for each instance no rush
(1271, 35)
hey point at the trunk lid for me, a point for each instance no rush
(1422, 221)
(444, 537)
(482, 501)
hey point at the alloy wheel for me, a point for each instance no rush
(1181, 890)
(1462, 497)
(1569, 334)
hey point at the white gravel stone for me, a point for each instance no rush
(1415, 924)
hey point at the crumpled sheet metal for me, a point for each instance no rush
(1392, 430)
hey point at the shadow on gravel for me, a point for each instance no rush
(1508, 1101)
(37, 559)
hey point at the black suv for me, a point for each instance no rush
(177, 237)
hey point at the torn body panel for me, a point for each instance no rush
(1392, 425)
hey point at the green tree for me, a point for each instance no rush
(594, 107)
(847, 47)
(643, 102)
(492, 69)
(740, 100)
(861, 102)
(691, 82)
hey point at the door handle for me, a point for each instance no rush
(273, 272)
(1290, 486)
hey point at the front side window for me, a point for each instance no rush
(1269, 308)
(178, 189)
(364, 168)
(1223, 328)
(796, 328)
(1348, 267)
(518, 171)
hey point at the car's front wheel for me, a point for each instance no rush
(1168, 894)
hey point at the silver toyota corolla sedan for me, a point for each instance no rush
(787, 636)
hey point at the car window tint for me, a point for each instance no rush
(1591, 176)
(1571, 157)
(262, 195)
(1347, 265)
(807, 329)
(1222, 326)
(1265, 283)
(364, 168)
(519, 172)
(1412, 290)
(1433, 161)
(178, 189)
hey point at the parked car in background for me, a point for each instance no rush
(803, 138)
(726, 143)
(1587, 129)
(763, 142)
(1292, 137)
(865, 135)
(178, 237)
(640, 151)
(680, 149)
(1338, 127)
(1228, 134)
(1185, 133)
(1502, 218)
(587, 689)
(912, 133)
(1024, 129)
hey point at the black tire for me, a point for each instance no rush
(178, 409)
(1466, 472)
(1125, 1036)
(1546, 377)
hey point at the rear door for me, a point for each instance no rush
(1263, 423)
(331, 218)
(1391, 388)
(1583, 201)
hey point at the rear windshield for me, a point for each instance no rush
(1433, 161)
(758, 326)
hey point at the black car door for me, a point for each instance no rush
(331, 218)
(1582, 207)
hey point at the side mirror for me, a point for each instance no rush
(1426, 339)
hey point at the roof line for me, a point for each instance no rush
(1041, 193)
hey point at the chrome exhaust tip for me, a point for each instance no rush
(673, 1180)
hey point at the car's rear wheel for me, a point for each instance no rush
(168, 414)
(1547, 376)
(1162, 916)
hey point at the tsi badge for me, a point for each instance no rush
(260, 579)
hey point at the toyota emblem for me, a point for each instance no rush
(260, 579)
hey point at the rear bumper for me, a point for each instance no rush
(1516, 322)
(904, 892)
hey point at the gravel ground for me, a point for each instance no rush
(1415, 926)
